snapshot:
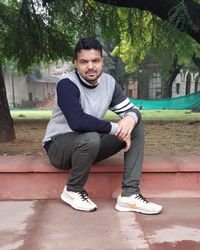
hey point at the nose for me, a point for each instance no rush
(90, 65)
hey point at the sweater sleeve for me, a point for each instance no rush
(121, 104)
(68, 98)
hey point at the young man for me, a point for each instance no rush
(78, 136)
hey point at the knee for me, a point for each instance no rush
(91, 140)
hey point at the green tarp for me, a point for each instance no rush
(184, 102)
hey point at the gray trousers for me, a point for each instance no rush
(77, 152)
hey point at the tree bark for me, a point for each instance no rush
(173, 74)
(7, 132)
(162, 9)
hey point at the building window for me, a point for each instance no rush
(178, 88)
(30, 96)
(155, 86)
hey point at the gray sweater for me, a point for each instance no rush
(81, 107)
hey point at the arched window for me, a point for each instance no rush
(178, 88)
(188, 82)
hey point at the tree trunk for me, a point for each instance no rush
(162, 9)
(173, 74)
(7, 132)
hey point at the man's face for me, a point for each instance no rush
(89, 64)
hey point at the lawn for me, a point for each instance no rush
(162, 115)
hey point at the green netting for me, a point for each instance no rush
(184, 102)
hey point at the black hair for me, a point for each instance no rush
(88, 43)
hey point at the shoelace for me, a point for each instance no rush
(84, 195)
(140, 197)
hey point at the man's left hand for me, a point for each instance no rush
(125, 127)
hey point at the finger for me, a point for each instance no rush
(119, 129)
(128, 144)
(122, 136)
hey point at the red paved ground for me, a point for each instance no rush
(51, 225)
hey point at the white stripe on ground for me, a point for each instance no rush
(132, 231)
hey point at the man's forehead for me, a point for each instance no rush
(88, 53)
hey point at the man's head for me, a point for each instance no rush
(88, 59)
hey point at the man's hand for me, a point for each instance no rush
(128, 144)
(125, 127)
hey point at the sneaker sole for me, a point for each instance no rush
(63, 198)
(127, 209)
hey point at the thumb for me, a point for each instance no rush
(128, 144)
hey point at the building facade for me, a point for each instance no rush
(31, 91)
(185, 83)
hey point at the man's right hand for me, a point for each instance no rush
(125, 127)
(128, 143)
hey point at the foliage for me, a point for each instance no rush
(29, 35)
(145, 38)
(180, 17)
(46, 33)
(38, 33)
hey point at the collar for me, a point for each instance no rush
(85, 83)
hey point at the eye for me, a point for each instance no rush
(83, 61)
(97, 60)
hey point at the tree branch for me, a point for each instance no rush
(162, 9)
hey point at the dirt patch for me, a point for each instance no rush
(166, 138)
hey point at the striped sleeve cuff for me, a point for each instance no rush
(122, 107)
(114, 127)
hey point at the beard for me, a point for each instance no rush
(92, 76)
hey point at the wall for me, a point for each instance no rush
(187, 82)
(16, 88)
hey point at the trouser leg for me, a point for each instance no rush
(76, 152)
(110, 145)
(133, 159)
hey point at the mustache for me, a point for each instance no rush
(91, 71)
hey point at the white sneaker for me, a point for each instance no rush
(137, 203)
(79, 201)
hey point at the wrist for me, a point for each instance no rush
(132, 116)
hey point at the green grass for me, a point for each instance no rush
(162, 115)
(30, 114)
(170, 115)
